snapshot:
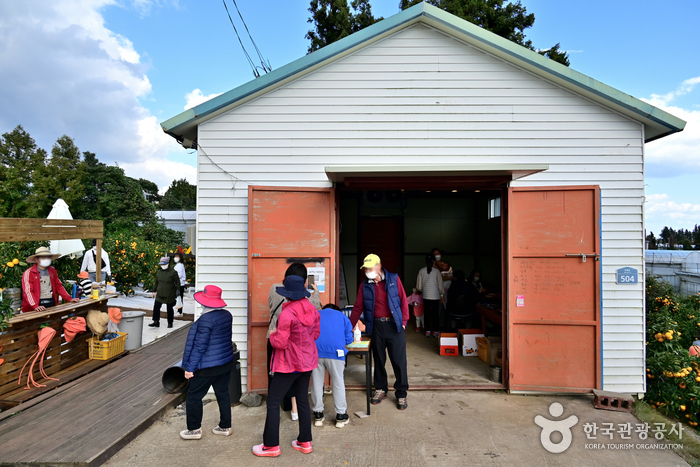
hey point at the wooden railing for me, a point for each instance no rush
(20, 341)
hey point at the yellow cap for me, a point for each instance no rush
(371, 260)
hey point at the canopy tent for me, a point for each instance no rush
(74, 246)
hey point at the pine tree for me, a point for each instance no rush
(333, 20)
(112, 197)
(62, 176)
(181, 196)
(508, 19)
(19, 158)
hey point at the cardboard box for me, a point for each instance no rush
(488, 349)
(467, 342)
(448, 344)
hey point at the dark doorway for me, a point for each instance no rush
(383, 236)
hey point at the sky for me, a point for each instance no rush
(107, 72)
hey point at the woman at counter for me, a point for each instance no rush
(41, 286)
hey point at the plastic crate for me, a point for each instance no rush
(104, 350)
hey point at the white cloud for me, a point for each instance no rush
(685, 88)
(660, 210)
(196, 97)
(62, 71)
(678, 153)
(161, 171)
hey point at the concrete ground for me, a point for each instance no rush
(426, 367)
(142, 301)
(439, 428)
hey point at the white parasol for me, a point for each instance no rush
(73, 247)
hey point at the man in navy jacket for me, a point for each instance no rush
(383, 300)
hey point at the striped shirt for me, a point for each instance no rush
(430, 284)
(86, 286)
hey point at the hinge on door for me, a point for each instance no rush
(255, 255)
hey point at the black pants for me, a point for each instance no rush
(281, 382)
(431, 309)
(385, 337)
(199, 386)
(182, 293)
(156, 312)
(287, 400)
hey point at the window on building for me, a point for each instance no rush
(494, 208)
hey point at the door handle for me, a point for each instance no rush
(596, 256)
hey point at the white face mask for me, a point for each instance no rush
(45, 263)
(164, 266)
(176, 259)
(437, 257)
(371, 275)
(476, 279)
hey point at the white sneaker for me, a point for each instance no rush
(295, 416)
(221, 431)
(191, 434)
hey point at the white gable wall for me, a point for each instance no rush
(422, 97)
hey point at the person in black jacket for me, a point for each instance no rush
(207, 362)
(460, 304)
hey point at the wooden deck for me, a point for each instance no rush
(88, 420)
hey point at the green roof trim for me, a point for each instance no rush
(658, 123)
(674, 124)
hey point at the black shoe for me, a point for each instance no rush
(154, 325)
(318, 418)
(170, 325)
(378, 397)
(341, 420)
(401, 403)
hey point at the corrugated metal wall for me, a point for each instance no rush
(421, 97)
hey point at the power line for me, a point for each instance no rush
(250, 61)
(265, 64)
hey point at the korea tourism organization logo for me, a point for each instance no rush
(604, 435)
(549, 427)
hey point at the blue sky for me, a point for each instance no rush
(107, 71)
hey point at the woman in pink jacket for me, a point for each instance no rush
(294, 356)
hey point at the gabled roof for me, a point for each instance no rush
(657, 123)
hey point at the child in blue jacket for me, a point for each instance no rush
(336, 333)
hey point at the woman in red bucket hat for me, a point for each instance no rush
(207, 362)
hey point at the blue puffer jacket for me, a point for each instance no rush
(392, 292)
(209, 341)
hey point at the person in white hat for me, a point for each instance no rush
(40, 283)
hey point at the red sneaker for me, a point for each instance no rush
(263, 451)
(417, 329)
(304, 447)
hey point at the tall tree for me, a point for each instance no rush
(651, 239)
(181, 196)
(508, 19)
(150, 190)
(63, 176)
(19, 158)
(112, 197)
(333, 20)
